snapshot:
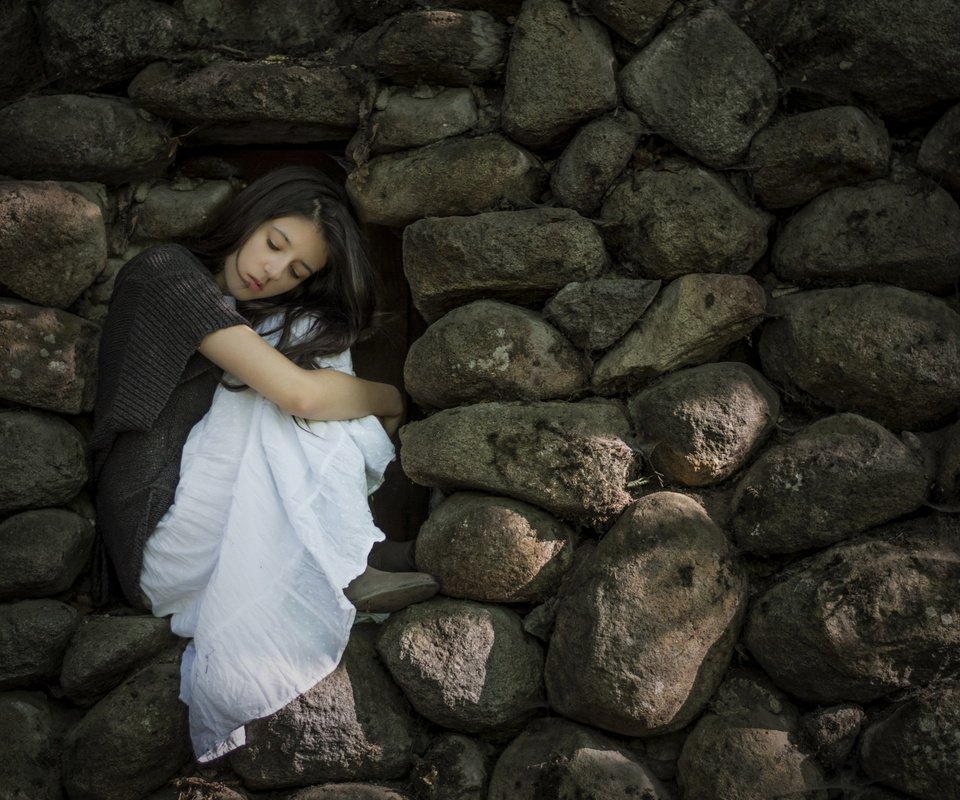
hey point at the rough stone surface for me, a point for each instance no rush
(33, 637)
(700, 425)
(572, 459)
(832, 732)
(647, 626)
(803, 155)
(19, 50)
(42, 552)
(488, 350)
(52, 242)
(693, 320)
(42, 461)
(518, 256)
(595, 314)
(48, 358)
(30, 769)
(176, 210)
(290, 25)
(947, 483)
(465, 666)
(882, 351)
(494, 549)
(703, 85)
(559, 73)
(454, 767)
(634, 20)
(107, 140)
(353, 725)
(557, 758)
(454, 176)
(904, 234)
(197, 788)
(940, 152)
(679, 218)
(349, 791)
(747, 748)
(815, 630)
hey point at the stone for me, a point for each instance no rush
(881, 351)
(454, 176)
(947, 481)
(105, 649)
(678, 218)
(42, 552)
(450, 47)
(747, 748)
(42, 463)
(454, 767)
(815, 629)
(197, 788)
(559, 73)
(94, 302)
(173, 211)
(700, 425)
(494, 549)
(30, 767)
(646, 629)
(832, 732)
(52, 242)
(265, 26)
(803, 155)
(692, 321)
(835, 478)
(572, 459)
(253, 101)
(703, 85)
(372, 12)
(634, 20)
(354, 725)
(348, 791)
(596, 313)
(131, 742)
(19, 50)
(898, 233)
(48, 358)
(914, 747)
(940, 152)
(490, 350)
(465, 666)
(557, 758)
(33, 637)
(596, 155)
(108, 139)
(516, 256)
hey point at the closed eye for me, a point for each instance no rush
(271, 245)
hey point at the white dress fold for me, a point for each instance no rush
(270, 522)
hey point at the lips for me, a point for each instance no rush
(254, 284)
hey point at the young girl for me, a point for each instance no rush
(221, 498)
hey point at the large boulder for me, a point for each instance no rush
(271, 26)
(19, 50)
(30, 767)
(180, 209)
(634, 20)
(33, 637)
(940, 152)
(646, 628)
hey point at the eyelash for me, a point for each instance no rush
(272, 246)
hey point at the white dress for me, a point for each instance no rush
(270, 522)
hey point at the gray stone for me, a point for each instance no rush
(573, 459)
(465, 666)
(940, 152)
(30, 769)
(197, 788)
(372, 12)
(353, 725)
(634, 20)
(596, 155)
(947, 482)
(518, 256)
(595, 314)
(19, 50)
(815, 630)
(454, 767)
(703, 85)
(33, 637)
(42, 552)
(832, 732)
(451, 47)
(494, 549)
(52, 242)
(131, 742)
(104, 650)
(647, 627)
(557, 758)
(692, 321)
(679, 218)
(48, 358)
(747, 748)
(885, 352)
(559, 73)
(450, 177)
(178, 210)
(907, 234)
(107, 139)
(488, 350)
(348, 791)
(803, 155)
(700, 425)
(42, 462)
(292, 25)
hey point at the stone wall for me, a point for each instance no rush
(691, 379)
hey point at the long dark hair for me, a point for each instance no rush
(339, 300)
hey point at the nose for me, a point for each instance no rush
(275, 267)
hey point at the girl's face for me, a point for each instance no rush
(279, 255)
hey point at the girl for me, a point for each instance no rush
(222, 500)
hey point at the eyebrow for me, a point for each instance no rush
(306, 266)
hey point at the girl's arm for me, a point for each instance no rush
(322, 394)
